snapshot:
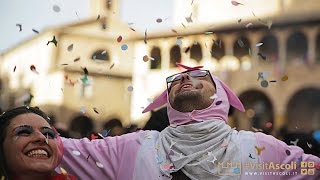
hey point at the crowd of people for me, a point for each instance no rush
(192, 141)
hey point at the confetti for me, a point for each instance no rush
(239, 21)
(179, 42)
(77, 153)
(104, 52)
(264, 83)
(236, 170)
(20, 27)
(259, 150)
(105, 133)
(284, 78)
(47, 139)
(86, 72)
(295, 142)
(214, 96)
(189, 19)
(130, 88)
(98, 17)
(132, 29)
(218, 103)
(183, 25)
(33, 69)
(99, 164)
(187, 50)
(119, 39)
(112, 65)
(309, 145)
(88, 157)
(273, 81)
(95, 110)
(288, 152)
(103, 25)
(56, 8)
(235, 3)
(257, 130)
(14, 69)
(259, 44)
(159, 20)
(145, 58)
(248, 25)
(250, 156)
(262, 56)
(149, 100)
(70, 47)
(76, 59)
(173, 30)
(83, 109)
(63, 171)
(35, 31)
(93, 137)
(54, 41)
(124, 47)
(208, 32)
(240, 43)
(145, 36)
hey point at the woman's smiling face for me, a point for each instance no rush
(29, 145)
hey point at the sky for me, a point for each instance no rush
(41, 14)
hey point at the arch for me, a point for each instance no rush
(303, 109)
(317, 60)
(156, 55)
(100, 55)
(270, 48)
(241, 47)
(175, 56)
(217, 49)
(196, 52)
(259, 111)
(297, 47)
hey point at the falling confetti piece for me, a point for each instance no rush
(214, 96)
(95, 110)
(259, 44)
(183, 25)
(218, 103)
(262, 56)
(285, 78)
(235, 3)
(85, 70)
(33, 69)
(47, 139)
(54, 41)
(76, 59)
(149, 100)
(145, 36)
(99, 164)
(264, 83)
(56, 8)
(70, 47)
(145, 58)
(309, 145)
(248, 25)
(273, 81)
(112, 65)
(288, 152)
(295, 142)
(268, 124)
(152, 59)
(208, 32)
(104, 26)
(105, 133)
(159, 20)
(187, 50)
(20, 27)
(124, 47)
(173, 30)
(240, 43)
(77, 153)
(104, 52)
(239, 21)
(179, 42)
(119, 39)
(189, 19)
(98, 17)
(257, 130)
(35, 31)
(250, 156)
(130, 88)
(259, 150)
(14, 69)
(132, 29)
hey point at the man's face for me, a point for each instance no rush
(190, 93)
(29, 145)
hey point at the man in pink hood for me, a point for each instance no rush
(198, 144)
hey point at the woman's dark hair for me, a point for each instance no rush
(5, 120)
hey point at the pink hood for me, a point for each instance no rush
(217, 110)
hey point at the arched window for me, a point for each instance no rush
(100, 55)
(241, 48)
(318, 49)
(195, 52)
(156, 61)
(217, 49)
(259, 111)
(175, 56)
(297, 47)
(269, 49)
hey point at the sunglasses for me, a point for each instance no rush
(174, 79)
(26, 130)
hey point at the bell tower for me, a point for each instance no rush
(104, 8)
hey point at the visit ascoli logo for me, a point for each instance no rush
(307, 168)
